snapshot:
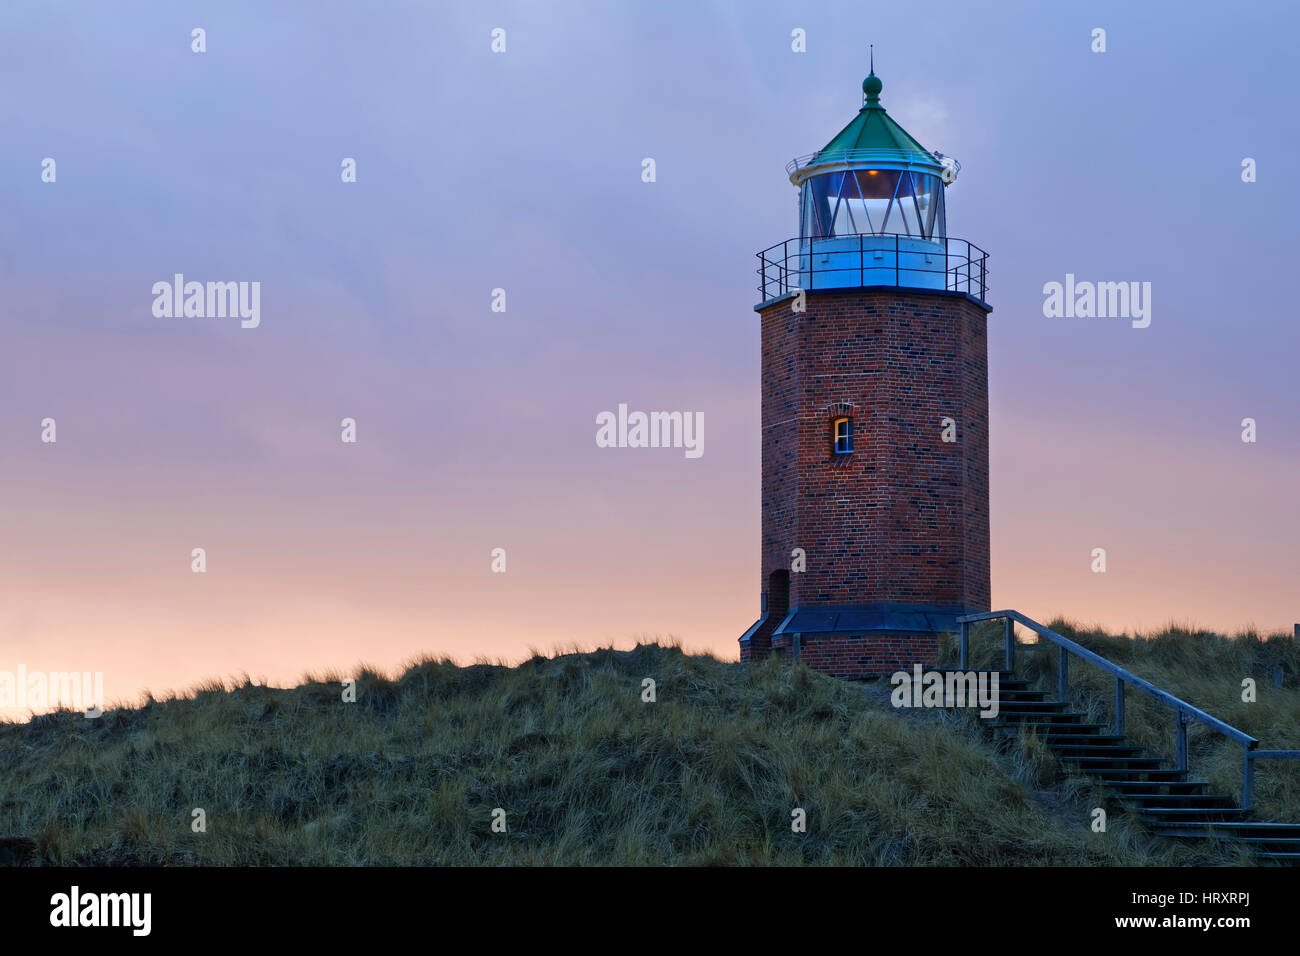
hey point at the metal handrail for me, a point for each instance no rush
(1182, 709)
(781, 266)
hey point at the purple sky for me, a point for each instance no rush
(522, 171)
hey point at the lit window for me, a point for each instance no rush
(843, 432)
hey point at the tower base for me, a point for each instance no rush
(854, 641)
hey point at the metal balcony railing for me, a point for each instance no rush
(874, 259)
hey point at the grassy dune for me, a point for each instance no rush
(586, 771)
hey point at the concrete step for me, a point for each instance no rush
(1227, 829)
(1086, 748)
(1056, 718)
(1201, 801)
(1172, 787)
(1195, 814)
(1041, 730)
(1115, 763)
(1030, 706)
(1005, 678)
(1166, 774)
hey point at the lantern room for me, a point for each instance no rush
(871, 213)
(873, 178)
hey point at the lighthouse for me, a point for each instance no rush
(875, 435)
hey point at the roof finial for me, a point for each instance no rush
(872, 86)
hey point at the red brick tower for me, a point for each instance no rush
(875, 410)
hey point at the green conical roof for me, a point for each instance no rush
(873, 134)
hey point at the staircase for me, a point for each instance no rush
(1168, 801)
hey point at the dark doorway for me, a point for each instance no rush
(778, 596)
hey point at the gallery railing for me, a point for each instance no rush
(874, 259)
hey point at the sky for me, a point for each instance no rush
(522, 171)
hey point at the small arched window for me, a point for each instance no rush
(842, 436)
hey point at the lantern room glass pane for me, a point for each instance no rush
(929, 200)
(872, 201)
(904, 215)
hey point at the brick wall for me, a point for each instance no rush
(853, 657)
(904, 518)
